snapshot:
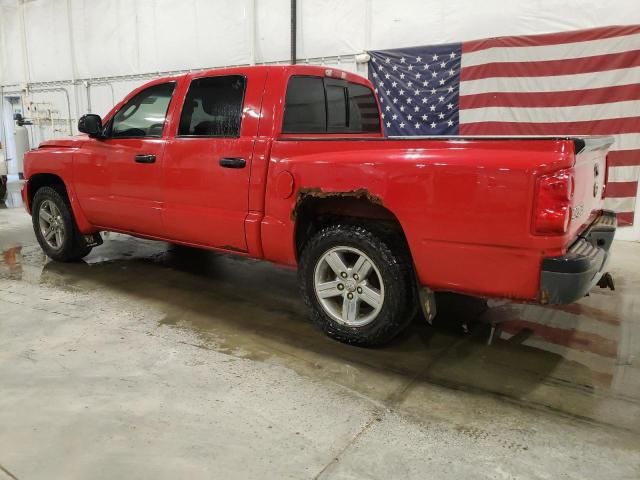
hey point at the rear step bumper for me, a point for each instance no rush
(570, 277)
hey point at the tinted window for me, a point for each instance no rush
(314, 104)
(363, 110)
(305, 109)
(213, 107)
(336, 108)
(144, 114)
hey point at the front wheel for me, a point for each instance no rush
(55, 227)
(358, 285)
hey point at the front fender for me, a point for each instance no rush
(50, 165)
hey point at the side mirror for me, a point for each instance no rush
(91, 124)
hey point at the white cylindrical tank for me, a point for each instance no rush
(21, 135)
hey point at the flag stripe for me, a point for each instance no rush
(582, 113)
(624, 174)
(626, 141)
(624, 158)
(581, 81)
(590, 96)
(572, 338)
(625, 219)
(541, 53)
(598, 127)
(567, 66)
(622, 189)
(625, 204)
(551, 38)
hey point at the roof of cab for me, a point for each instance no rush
(311, 70)
(298, 69)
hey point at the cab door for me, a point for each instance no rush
(208, 162)
(118, 178)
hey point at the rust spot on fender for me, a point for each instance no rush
(316, 192)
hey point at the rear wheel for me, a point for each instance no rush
(55, 227)
(3, 187)
(357, 284)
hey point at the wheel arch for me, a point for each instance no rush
(315, 210)
(39, 180)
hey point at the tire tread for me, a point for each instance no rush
(398, 270)
(78, 247)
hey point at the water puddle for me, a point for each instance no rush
(576, 360)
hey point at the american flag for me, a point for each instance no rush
(572, 83)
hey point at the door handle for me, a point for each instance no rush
(145, 159)
(233, 162)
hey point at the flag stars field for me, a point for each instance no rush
(570, 83)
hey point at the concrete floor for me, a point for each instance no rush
(151, 361)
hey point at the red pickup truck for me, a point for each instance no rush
(290, 164)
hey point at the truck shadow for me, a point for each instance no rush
(253, 310)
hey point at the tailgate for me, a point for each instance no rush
(590, 177)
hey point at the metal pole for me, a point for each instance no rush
(94, 84)
(113, 95)
(294, 33)
(88, 87)
(2, 127)
(23, 42)
(74, 66)
(253, 25)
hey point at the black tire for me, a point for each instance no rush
(74, 247)
(3, 187)
(390, 257)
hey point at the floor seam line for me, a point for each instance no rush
(375, 417)
(11, 475)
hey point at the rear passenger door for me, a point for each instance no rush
(208, 163)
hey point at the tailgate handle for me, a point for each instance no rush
(233, 162)
(145, 158)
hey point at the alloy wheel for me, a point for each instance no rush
(51, 224)
(349, 286)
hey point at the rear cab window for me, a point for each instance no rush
(328, 105)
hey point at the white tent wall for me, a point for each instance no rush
(418, 22)
(106, 47)
(11, 56)
(47, 42)
(124, 37)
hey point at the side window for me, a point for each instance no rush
(305, 106)
(321, 105)
(213, 107)
(144, 114)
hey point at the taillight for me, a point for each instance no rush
(553, 203)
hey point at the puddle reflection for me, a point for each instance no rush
(576, 360)
(12, 197)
